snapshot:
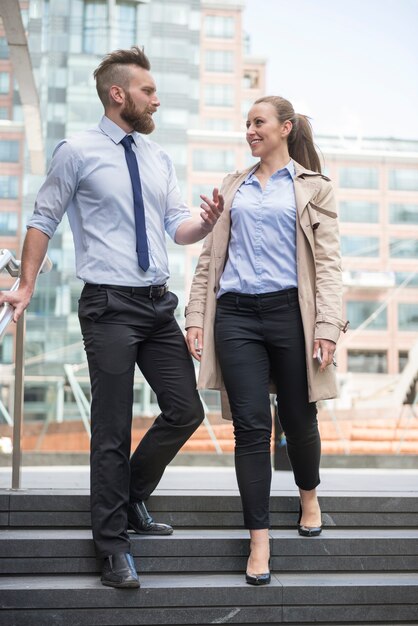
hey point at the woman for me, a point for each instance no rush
(265, 304)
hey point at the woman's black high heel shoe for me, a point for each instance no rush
(307, 531)
(258, 579)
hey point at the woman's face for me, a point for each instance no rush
(265, 134)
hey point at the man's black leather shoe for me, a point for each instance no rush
(119, 571)
(142, 523)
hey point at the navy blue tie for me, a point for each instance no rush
(141, 233)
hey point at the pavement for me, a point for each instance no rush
(222, 479)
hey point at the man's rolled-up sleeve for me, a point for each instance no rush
(177, 210)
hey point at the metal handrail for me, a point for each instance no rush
(9, 263)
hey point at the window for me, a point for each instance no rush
(219, 95)
(25, 18)
(367, 361)
(8, 224)
(173, 83)
(359, 245)
(220, 26)
(6, 349)
(170, 47)
(9, 151)
(403, 357)
(408, 316)
(403, 180)
(80, 76)
(177, 152)
(359, 178)
(43, 303)
(35, 394)
(126, 21)
(9, 186)
(245, 107)
(251, 79)
(4, 83)
(174, 117)
(4, 113)
(197, 190)
(412, 278)
(170, 13)
(250, 160)
(358, 311)
(403, 248)
(95, 27)
(216, 161)
(403, 213)
(218, 123)
(357, 211)
(4, 48)
(219, 61)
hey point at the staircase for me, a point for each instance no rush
(362, 570)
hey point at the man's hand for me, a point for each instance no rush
(327, 349)
(212, 209)
(18, 299)
(196, 228)
(194, 339)
(34, 251)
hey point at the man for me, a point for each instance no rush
(118, 215)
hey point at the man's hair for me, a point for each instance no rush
(114, 70)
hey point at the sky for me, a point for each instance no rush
(351, 65)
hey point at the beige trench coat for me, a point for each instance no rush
(318, 270)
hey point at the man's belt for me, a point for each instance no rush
(152, 291)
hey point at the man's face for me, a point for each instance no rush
(140, 101)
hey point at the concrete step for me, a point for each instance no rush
(70, 551)
(300, 599)
(192, 508)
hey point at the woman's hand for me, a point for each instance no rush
(326, 348)
(194, 339)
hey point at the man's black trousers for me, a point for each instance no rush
(122, 328)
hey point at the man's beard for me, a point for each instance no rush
(140, 121)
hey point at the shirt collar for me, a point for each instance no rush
(115, 132)
(290, 167)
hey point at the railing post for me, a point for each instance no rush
(18, 401)
(8, 262)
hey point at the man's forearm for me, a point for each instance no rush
(192, 230)
(34, 250)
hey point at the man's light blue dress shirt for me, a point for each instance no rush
(262, 248)
(89, 179)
